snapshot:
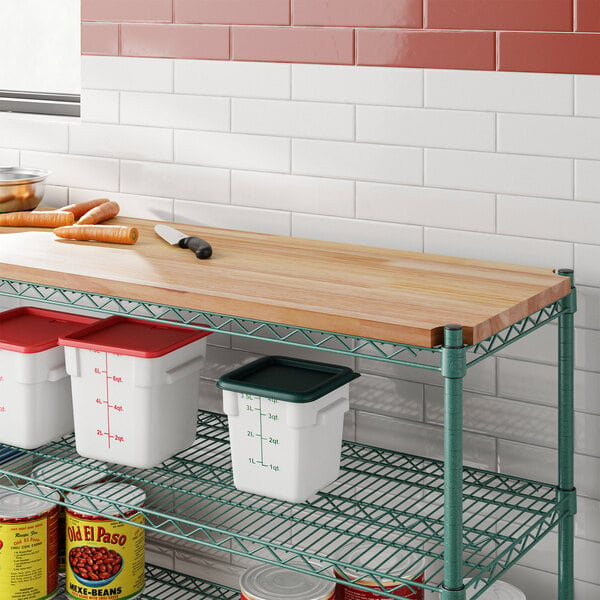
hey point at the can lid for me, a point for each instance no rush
(500, 590)
(397, 563)
(27, 329)
(15, 505)
(269, 582)
(113, 492)
(287, 379)
(132, 337)
(67, 474)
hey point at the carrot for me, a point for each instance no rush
(117, 234)
(100, 213)
(42, 218)
(81, 208)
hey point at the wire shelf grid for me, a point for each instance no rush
(385, 504)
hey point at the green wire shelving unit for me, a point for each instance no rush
(454, 521)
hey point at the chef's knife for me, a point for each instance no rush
(198, 246)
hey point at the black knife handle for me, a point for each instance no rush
(198, 246)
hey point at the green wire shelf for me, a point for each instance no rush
(384, 502)
(300, 337)
(163, 584)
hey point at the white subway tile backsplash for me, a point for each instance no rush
(358, 161)
(479, 378)
(355, 231)
(76, 171)
(232, 78)
(100, 106)
(540, 464)
(293, 119)
(500, 173)
(569, 137)
(421, 439)
(500, 91)
(587, 95)
(498, 417)
(232, 217)
(587, 349)
(176, 111)
(334, 197)
(390, 397)
(587, 519)
(515, 381)
(587, 180)
(549, 219)
(122, 141)
(463, 130)
(9, 157)
(131, 205)
(503, 248)
(123, 73)
(431, 207)
(233, 150)
(55, 196)
(587, 261)
(358, 85)
(588, 307)
(25, 132)
(184, 182)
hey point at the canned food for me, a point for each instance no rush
(28, 545)
(268, 582)
(499, 590)
(66, 475)
(399, 564)
(105, 557)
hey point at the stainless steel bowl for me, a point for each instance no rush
(21, 188)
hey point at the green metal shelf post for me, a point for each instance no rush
(454, 368)
(566, 483)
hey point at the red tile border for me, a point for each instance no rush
(175, 41)
(324, 45)
(529, 15)
(426, 49)
(100, 38)
(143, 11)
(358, 13)
(508, 35)
(234, 12)
(587, 15)
(549, 52)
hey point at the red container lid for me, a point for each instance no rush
(133, 337)
(29, 329)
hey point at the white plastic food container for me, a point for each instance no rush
(35, 393)
(135, 389)
(285, 425)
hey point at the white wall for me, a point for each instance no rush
(40, 46)
(489, 165)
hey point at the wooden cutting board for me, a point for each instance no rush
(391, 295)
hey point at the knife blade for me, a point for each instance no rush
(201, 248)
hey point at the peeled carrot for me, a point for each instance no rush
(42, 218)
(117, 234)
(100, 213)
(81, 208)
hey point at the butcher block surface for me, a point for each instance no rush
(403, 297)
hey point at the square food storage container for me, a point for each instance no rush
(35, 393)
(135, 388)
(285, 425)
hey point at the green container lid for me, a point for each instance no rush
(287, 379)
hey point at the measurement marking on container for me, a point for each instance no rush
(267, 440)
(108, 378)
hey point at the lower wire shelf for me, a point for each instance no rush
(163, 584)
(385, 505)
